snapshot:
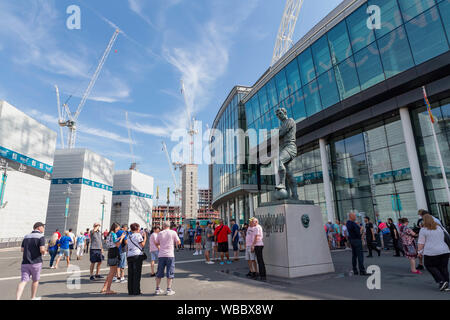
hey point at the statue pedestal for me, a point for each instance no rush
(295, 244)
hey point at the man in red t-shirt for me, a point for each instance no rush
(58, 233)
(221, 238)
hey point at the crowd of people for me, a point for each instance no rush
(426, 243)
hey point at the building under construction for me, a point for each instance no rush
(82, 181)
(172, 214)
(26, 164)
(132, 199)
(189, 190)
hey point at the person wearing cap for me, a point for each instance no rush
(250, 255)
(96, 251)
(33, 247)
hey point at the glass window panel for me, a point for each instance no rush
(341, 179)
(328, 89)
(338, 149)
(411, 8)
(344, 207)
(321, 55)
(306, 64)
(375, 138)
(272, 93)
(249, 113)
(394, 133)
(339, 43)
(263, 102)
(444, 8)
(426, 36)
(364, 206)
(354, 145)
(298, 107)
(368, 64)
(281, 82)
(293, 76)
(360, 35)
(255, 107)
(395, 52)
(312, 98)
(390, 16)
(308, 160)
(346, 78)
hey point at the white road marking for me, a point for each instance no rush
(103, 269)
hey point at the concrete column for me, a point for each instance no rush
(326, 180)
(250, 205)
(413, 159)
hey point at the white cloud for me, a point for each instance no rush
(137, 6)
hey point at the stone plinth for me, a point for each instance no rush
(295, 244)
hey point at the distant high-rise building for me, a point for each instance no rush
(204, 199)
(189, 190)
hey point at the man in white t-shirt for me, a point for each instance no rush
(166, 240)
(181, 236)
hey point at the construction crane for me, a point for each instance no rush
(177, 191)
(286, 30)
(191, 130)
(133, 159)
(68, 119)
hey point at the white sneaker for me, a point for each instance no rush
(200, 252)
(170, 293)
(36, 298)
(195, 253)
(123, 280)
(116, 280)
(209, 262)
(159, 292)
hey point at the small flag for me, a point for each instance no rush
(427, 102)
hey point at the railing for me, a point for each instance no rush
(10, 242)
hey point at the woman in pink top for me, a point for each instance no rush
(154, 249)
(257, 247)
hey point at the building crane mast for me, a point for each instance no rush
(191, 130)
(177, 191)
(133, 159)
(286, 30)
(69, 120)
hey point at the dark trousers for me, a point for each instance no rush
(357, 254)
(371, 246)
(86, 248)
(397, 247)
(52, 256)
(259, 257)
(134, 275)
(437, 266)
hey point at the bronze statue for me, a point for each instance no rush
(287, 186)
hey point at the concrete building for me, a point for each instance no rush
(189, 190)
(364, 139)
(132, 199)
(204, 199)
(27, 148)
(90, 177)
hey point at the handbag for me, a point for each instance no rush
(143, 256)
(446, 237)
(113, 256)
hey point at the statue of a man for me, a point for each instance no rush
(288, 151)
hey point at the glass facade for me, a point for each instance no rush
(350, 58)
(368, 165)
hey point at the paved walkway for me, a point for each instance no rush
(196, 280)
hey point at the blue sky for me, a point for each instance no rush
(211, 44)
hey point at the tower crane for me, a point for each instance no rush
(191, 130)
(69, 119)
(177, 191)
(133, 159)
(286, 30)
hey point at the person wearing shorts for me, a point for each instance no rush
(96, 251)
(249, 255)
(33, 247)
(64, 245)
(166, 240)
(154, 250)
(198, 240)
(221, 236)
(235, 239)
(209, 235)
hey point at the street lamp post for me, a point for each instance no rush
(66, 212)
(4, 168)
(103, 211)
